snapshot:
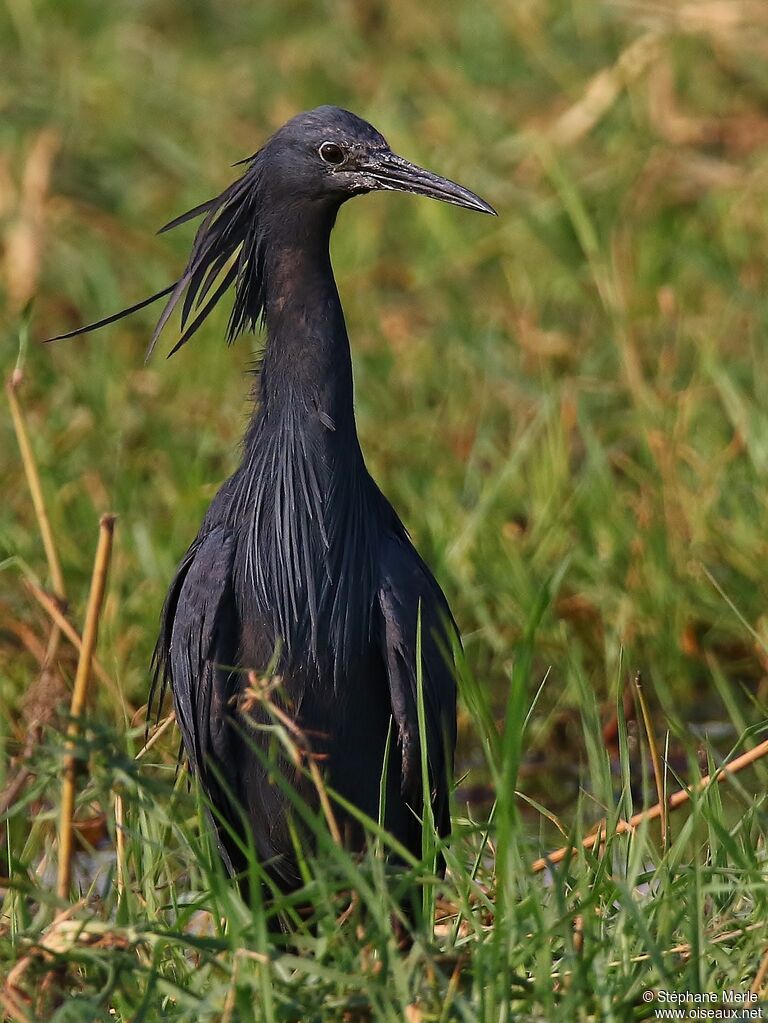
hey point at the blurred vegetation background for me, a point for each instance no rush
(572, 388)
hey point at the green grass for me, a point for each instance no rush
(566, 405)
(585, 940)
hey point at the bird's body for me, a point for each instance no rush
(301, 553)
(301, 565)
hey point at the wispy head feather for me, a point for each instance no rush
(228, 250)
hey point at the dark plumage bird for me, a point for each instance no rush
(300, 557)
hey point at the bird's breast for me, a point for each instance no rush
(306, 565)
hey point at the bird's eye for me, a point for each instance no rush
(331, 153)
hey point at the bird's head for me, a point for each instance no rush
(330, 152)
(319, 159)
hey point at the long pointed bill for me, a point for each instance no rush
(394, 173)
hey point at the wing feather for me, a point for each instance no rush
(408, 589)
(202, 652)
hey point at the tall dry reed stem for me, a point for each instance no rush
(79, 697)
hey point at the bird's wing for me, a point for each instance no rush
(199, 652)
(197, 647)
(407, 590)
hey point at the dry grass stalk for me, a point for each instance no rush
(16, 785)
(231, 998)
(653, 812)
(120, 858)
(13, 1008)
(65, 934)
(12, 991)
(79, 695)
(653, 749)
(32, 474)
(35, 487)
(25, 235)
(300, 752)
(68, 630)
(762, 972)
(120, 847)
(604, 89)
(24, 634)
(727, 21)
(158, 732)
(578, 934)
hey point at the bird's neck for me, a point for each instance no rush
(307, 361)
(303, 497)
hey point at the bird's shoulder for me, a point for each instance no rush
(205, 573)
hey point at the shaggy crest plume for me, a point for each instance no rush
(228, 249)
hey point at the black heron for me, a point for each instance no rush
(300, 557)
